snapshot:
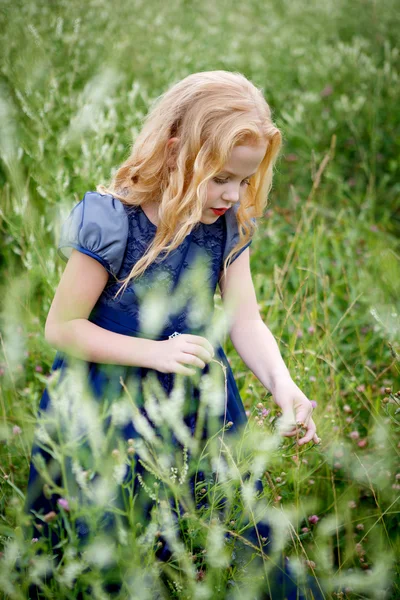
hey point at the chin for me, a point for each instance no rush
(208, 220)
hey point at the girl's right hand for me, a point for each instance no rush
(185, 349)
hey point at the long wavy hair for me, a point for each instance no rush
(210, 112)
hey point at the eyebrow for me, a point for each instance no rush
(230, 173)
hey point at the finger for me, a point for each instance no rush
(303, 415)
(293, 430)
(201, 341)
(291, 433)
(181, 370)
(194, 361)
(309, 435)
(204, 350)
(316, 439)
(285, 423)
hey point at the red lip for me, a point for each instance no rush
(219, 211)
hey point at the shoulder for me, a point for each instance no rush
(105, 203)
(98, 225)
(232, 231)
(231, 219)
(102, 212)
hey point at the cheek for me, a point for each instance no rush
(213, 191)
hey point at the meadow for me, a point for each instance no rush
(75, 81)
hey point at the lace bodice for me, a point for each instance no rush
(172, 295)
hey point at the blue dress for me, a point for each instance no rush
(117, 236)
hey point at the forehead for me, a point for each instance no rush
(245, 158)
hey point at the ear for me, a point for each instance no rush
(172, 147)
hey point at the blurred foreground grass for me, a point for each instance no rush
(75, 82)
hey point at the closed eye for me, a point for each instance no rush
(222, 181)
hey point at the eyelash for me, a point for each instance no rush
(222, 181)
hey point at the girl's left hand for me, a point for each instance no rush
(297, 411)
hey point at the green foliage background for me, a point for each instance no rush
(75, 81)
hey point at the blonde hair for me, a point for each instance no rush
(209, 112)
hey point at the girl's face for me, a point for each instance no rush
(230, 184)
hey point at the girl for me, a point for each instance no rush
(196, 180)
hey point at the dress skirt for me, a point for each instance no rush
(106, 381)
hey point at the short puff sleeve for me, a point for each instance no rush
(98, 227)
(232, 234)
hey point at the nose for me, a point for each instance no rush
(231, 193)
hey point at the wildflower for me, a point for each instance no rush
(305, 529)
(313, 519)
(362, 443)
(311, 481)
(34, 540)
(310, 563)
(352, 504)
(347, 409)
(299, 333)
(50, 516)
(360, 550)
(327, 91)
(361, 388)
(278, 479)
(313, 402)
(16, 430)
(265, 412)
(131, 450)
(397, 475)
(278, 498)
(354, 435)
(63, 502)
(360, 526)
(115, 453)
(311, 329)
(291, 157)
(260, 405)
(39, 368)
(313, 378)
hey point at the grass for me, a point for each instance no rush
(75, 82)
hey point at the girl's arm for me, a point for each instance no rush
(68, 329)
(258, 349)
